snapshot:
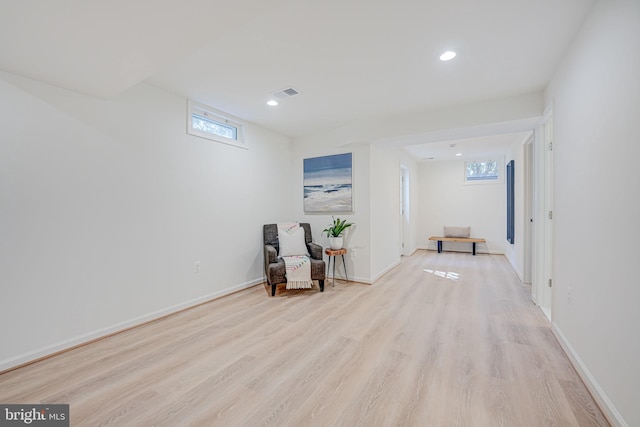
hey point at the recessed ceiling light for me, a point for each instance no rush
(272, 102)
(447, 56)
(458, 154)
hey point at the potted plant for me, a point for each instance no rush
(335, 232)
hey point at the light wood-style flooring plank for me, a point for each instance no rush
(444, 339)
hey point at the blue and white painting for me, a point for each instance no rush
(327, 183)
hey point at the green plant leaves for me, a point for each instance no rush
(337, 228)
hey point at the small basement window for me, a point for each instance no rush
(482, 171)
(206, 122)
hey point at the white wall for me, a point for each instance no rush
(596, 98)
(386, 238)
(515, 252)
(385, 211)
(357, 237)
(374, 241)
(375, 144)
(105, 206)
(445, 200)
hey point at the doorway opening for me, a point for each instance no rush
(405, 215)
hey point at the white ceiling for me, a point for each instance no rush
(351, 60)
(103, 48)
(477, 148)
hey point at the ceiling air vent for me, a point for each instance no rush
(285, 93)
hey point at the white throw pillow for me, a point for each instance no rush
(292, 243)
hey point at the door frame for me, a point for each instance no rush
(529, 209)
(405, 206)
(542, 271)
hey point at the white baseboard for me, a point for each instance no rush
(101, 333)
(386, 270)
(412, 251)
(358, 279)
(515, 269)
(366, 280)
(610, 412)
(340, 276)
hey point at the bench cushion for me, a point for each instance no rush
(457, 231)
(459, 239)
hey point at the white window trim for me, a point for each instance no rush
(194, 107)
(500, 180)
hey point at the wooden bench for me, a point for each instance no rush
(472, 240)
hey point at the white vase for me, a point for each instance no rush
(336, 242)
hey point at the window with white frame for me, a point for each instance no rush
(482, 171)
(207, 122)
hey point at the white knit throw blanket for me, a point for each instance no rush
(297, 267)
(298, 272)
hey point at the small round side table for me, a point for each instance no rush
(332, 254)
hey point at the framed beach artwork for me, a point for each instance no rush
(327, 183)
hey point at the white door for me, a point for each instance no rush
(548, 220)
(542, 266)
(405, 247)
(529, 203)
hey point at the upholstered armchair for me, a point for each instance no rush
(274, 267)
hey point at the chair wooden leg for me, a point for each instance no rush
(273, 290)
(321, 283)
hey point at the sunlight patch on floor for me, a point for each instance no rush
(447, 275)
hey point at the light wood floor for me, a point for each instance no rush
(442, 340)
